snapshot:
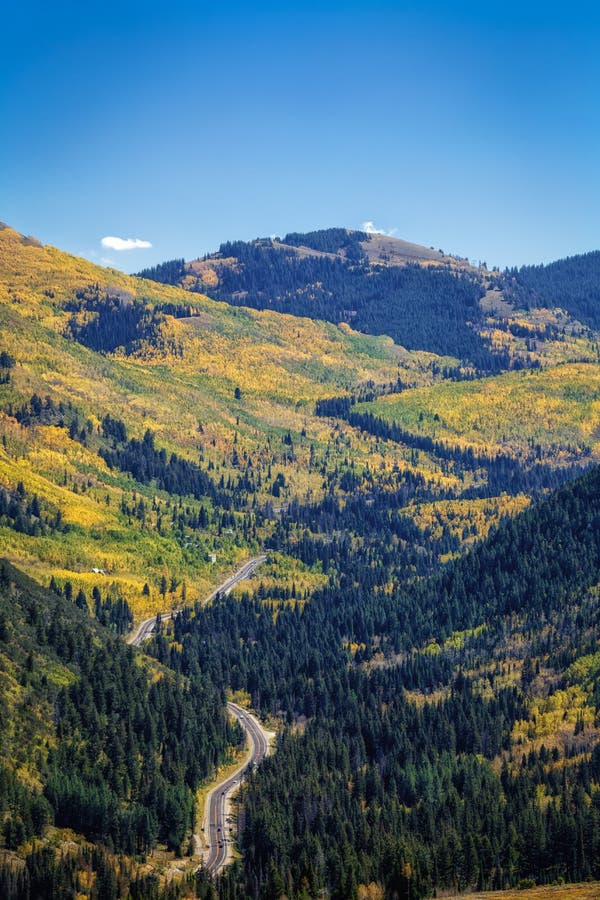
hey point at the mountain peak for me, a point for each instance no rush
(352, 245)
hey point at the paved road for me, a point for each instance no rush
(217, 831)
(145, 628)
(215, 826)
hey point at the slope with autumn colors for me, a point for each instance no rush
(220, 387)
(153, 438)
(232, 390)
(423, 298)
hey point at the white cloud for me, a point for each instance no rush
(117, 243)
(370, 228)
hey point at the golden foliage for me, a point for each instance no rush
(223, 379)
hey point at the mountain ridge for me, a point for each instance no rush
(423, 299)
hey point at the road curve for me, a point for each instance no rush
(215, 818)
(145, 628)
(217, 832)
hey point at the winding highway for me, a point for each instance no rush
(145, 628)
(216, 825)
(216, 834)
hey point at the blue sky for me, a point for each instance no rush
(474, 127)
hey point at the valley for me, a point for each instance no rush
(396, 455)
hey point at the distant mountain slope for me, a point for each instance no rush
(529, 413)
(420, 297)
(573, 284)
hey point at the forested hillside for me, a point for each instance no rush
(422, 308)
(437, 735)
(572, 284)
(422, 634)
(92, 741)
(420, 297)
